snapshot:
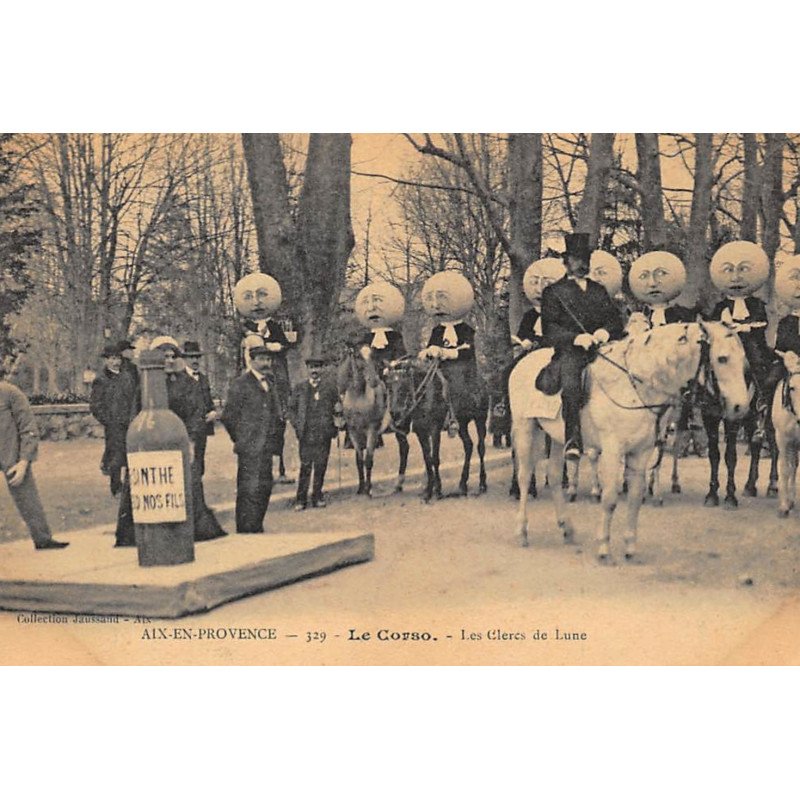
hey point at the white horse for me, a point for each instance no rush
(787, 432)
(631, 384)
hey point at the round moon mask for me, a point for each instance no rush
(606, 270)
(447, 296)
(656, 278)
(739, 268)
(787, 282)
(541, 274)
(257, 295)
(379, 305)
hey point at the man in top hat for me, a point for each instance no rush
(577, 317)
(311, 411)
(114, 403)
(185, 399)
(252, 417)
(19, 442)
(192, 354)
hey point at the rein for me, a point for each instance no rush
(416, 397)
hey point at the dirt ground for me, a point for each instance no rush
(710, 586)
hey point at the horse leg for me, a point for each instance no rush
(596, 491)
(425, 446)
(786, 476)
(731, 430)
(436, 443)
(402, 444)
(480, 426)
(611, 478)
(555, 469)
(569, 480)
(372, 438)
(677, 449)
(466, 441)
(636, 476)
(751, 487)
(654, 468)
(360, 468)
(522, 434)
(772, 489)
(711, 424)
(513, 489)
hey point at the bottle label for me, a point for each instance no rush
(157, 486)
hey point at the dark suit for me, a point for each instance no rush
(113, 403)
(252, 417)
(759, 355)
(464, 369)
(527, 326)
(787, 340)
(567, 311)
(193, 405)
(395, 347)
(311, 411)
(186, 399)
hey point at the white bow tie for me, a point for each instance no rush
(450, 338)
(537, 327)
(263, 328)
(740, 311)
(659, 316)
(379, 338)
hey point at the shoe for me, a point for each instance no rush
(320, 503)
(299, 506)
(51, 544)
(207, 537)
(124, 544)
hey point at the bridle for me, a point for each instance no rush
(404, 367)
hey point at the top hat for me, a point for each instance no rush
(110, 350)
(124, 344)
(577, 245)
(191, 349)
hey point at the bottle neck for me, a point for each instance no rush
(154, 389)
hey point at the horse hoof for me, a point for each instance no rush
(750, 491)
(482, 489)
(658, 501)
(597, 498)
(513, 492)
(731, 502)
(533, 494)
(676, 488)
(712, 499)
(462, 489)
(398, 489)
(772, 491)
(523, 539)
(783, 513)
(571, 497)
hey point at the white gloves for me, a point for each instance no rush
(366, 352)
(601, 336)
(584, 340)
(527, 344)
(442, 353)
(274, 347)
(448, 353)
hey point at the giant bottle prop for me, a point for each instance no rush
(159, 468)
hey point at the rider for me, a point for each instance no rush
(577, 316)
(605, 269)
(787, 289)
(739, 269)
(539, 275)
(380, 307)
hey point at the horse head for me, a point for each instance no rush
(792, 363)
(399, 381)
(722, 368)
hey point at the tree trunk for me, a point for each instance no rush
(698, 288)
(525, 213)
(649, 178)
(324, 235)
(751, 189)
(275, 231)
(772, 198)
(590, 212)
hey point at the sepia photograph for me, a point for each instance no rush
(399, 399)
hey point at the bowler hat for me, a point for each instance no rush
(191, 349)
(110, 350)
(577, 244)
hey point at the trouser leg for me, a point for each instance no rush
(125, 534)
(26, 499)
(320, 468)
(200, 452)
(571, 370)
(247, 495)
(303, 479)
(264, 484)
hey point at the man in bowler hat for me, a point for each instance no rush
(577, 317)
(252, 417)
(311, 411)
(192, 353)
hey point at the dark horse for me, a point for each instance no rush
(467, 401)
(365, 410)
(417, 403)
(712, 416)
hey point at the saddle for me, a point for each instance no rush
(548, 381)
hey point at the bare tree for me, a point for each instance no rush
(698, 288)
(649, 185)
(590, 211)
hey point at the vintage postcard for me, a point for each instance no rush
(272, 399)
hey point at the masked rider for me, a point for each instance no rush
(577, 317)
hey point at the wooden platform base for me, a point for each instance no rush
(92, 577)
